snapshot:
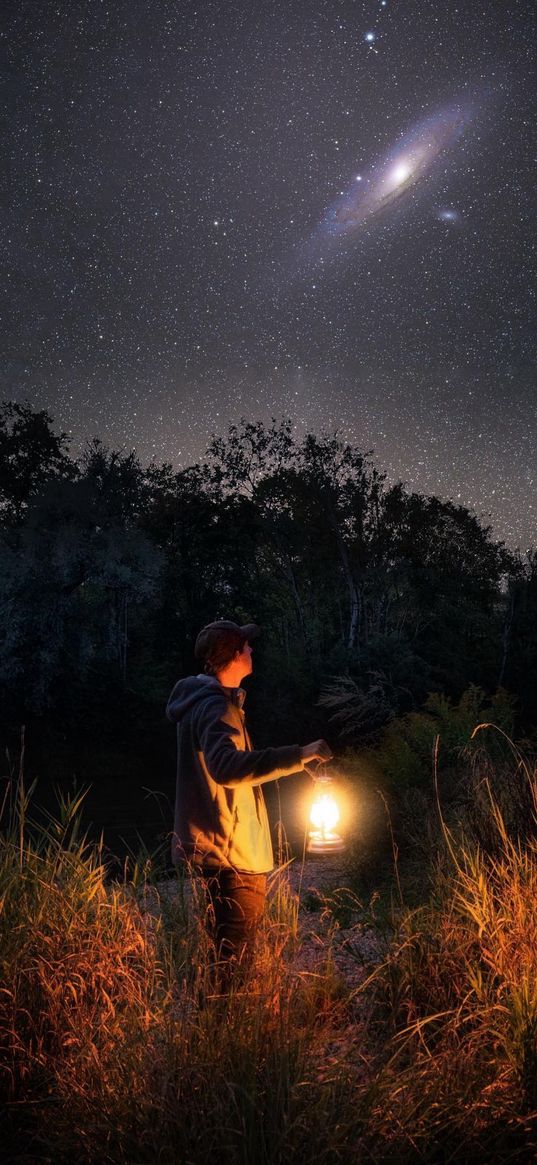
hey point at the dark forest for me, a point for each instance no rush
(373, 600)
(390, 1011)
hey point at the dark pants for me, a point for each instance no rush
(235, 907)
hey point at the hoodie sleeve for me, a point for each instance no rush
(230, 766)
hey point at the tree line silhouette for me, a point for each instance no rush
(370, 596)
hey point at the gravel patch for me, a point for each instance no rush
(332, 938)
(330, 918)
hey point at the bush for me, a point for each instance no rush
(457, 993)
(403, 758)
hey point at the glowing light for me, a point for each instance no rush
(402, 172)
(449, 215)
(324, 817)
(370, 36)
(324, 813)
(388, 181)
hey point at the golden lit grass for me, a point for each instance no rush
(459, 993)
(106, 1052)
(84, 984)
(115, 1048)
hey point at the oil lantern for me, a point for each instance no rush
(324, 817)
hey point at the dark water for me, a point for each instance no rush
(129, 804)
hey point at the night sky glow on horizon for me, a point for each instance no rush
(319, 210)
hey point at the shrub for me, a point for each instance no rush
(457, 992)
(403, 757)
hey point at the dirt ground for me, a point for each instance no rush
(331, 918)
(331, 921)
(334, 935)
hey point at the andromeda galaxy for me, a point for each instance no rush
(373, 192)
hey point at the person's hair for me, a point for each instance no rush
(223, 652)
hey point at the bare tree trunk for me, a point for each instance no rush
(340, 619)
(285, 637)
(288, 573)
(365, 618)
(386, 613)
(125, 639)
(507, 635)
(355, 603)
(299, 607)
(353, 589)
(121, 633)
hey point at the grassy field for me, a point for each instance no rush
(114, 1047)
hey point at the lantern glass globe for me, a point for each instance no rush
(324, 813)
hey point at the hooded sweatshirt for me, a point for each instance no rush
(220, 814)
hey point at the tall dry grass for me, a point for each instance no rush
(457, 997)
(114, 1047)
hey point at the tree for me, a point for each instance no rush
(381, 595)
(67, 585)
(249, 453)
(30, 453)
(117, 481)
(519, 635)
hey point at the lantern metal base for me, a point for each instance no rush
(327, 843)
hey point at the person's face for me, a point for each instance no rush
(244, 659)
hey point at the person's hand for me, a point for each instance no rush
(318, 750)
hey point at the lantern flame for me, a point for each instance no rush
(324, 813)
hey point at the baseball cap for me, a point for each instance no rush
(213, 633)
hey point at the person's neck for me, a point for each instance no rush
(229, 677)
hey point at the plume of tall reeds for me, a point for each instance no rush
(114, 1045)
(458, 994)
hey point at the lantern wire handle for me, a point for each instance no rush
(319, 772)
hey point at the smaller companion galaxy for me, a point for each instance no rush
(374, 191)
(448, 214)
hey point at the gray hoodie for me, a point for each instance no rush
(220, 814)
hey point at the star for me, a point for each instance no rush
(123, 290)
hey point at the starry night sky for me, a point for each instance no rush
(175, 171)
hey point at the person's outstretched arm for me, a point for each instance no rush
(230, 766)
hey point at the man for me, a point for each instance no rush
(221, 828)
